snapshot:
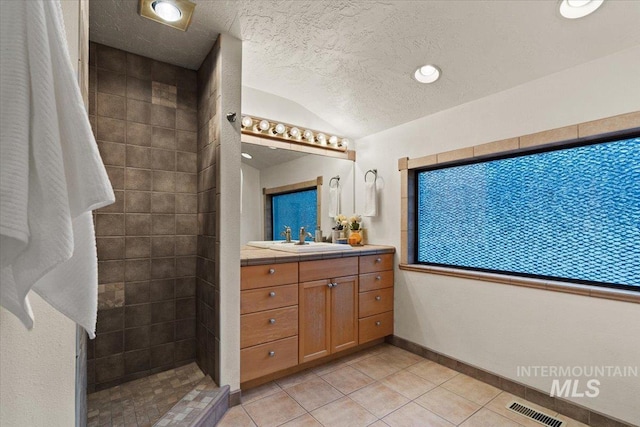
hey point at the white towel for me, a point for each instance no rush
(370, 199)
(51, 174)
(334, 201)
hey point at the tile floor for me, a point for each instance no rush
(382, 386)
(142, 402)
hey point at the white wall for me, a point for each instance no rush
(230, 72)
(37, 367)
(499, 327)
(309, 168)
(252, 216)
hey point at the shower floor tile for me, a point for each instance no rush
(142, 402)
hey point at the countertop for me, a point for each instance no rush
(250, 255)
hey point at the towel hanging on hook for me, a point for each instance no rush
(334, 197)
(370, 194)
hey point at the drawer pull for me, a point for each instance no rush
(378, 277)
(378, 323)
(272, 294)
(272, 353)
(378, 297)
(272, 270)
(272, 321)
(378, 260)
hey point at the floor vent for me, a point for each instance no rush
(535, 415)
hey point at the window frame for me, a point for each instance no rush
(588, 133)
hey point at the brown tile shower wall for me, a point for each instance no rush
(208, 290)
(144, 115)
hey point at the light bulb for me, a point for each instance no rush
(167, 11)
(308, 135)
(427, 74)
(574, 9)
(333, 140)
(295, 133)
(247, 121)
(345, 143)
(427, 70)
(322, 138)
(578, 3)
(280, 128)
(264, 125)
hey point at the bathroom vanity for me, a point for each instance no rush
(298, 310)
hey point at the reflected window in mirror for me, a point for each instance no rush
(294, 210)
(294, 206)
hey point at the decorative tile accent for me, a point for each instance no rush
(110, 295)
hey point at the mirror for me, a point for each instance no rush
(271, 168)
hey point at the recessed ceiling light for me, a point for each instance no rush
(573, 9)
(427, 74)
(167, 11)
(174, 13)
(247, 156)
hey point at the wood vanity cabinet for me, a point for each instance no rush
(375, 297)
(292, 313)
(328, 296)
(268, 319)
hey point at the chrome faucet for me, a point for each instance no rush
(286, 233)
(303, 235)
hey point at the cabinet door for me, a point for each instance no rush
(314, 302)
(344, 313)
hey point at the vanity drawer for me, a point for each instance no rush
(374, 327)
(265, 326)
(263, 276)
(328, 268)
(267, 358)
(268, 298)
(377, 280)
(371, 263)
(374, 302)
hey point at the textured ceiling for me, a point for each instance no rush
(350, 62)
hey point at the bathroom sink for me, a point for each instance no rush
(281, 245)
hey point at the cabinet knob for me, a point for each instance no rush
(378, 297)
(378, 277)
(272, 353)
(272, 321)
(378, 323)
(272, 294)
(335, 284)
(330, 285)
(378, 259)
(272, 270)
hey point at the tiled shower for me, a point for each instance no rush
(145, 117)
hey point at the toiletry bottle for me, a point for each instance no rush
(318, 237)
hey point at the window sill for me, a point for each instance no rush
(549, 285)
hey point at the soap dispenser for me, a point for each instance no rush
(318, 236)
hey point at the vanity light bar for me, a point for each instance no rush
(293, 134)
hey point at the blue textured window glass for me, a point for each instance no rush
(295, 210)
(570, 214)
